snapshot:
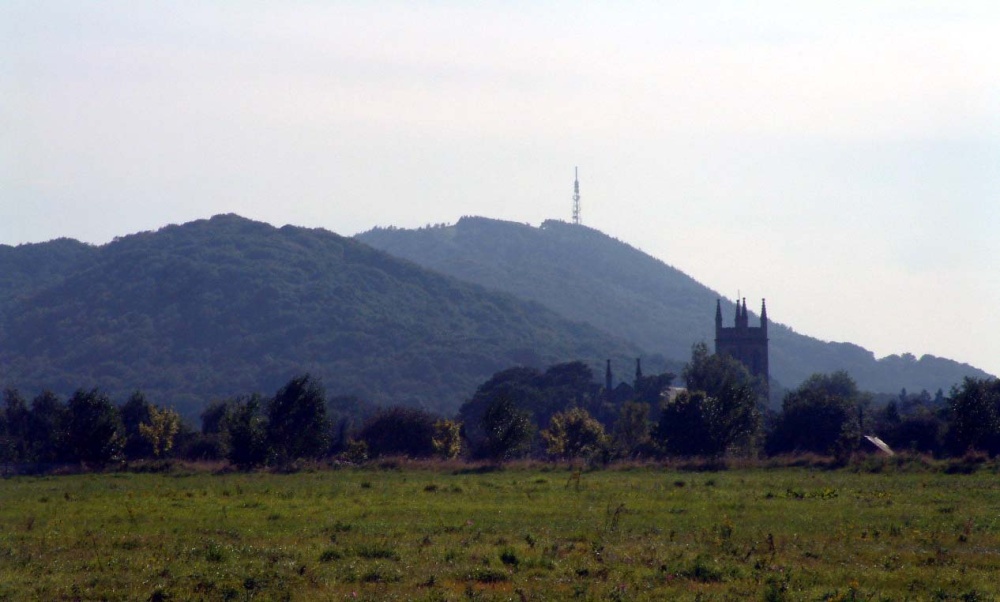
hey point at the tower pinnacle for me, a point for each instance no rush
(576, 196)
(748, 344)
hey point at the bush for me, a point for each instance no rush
(574, 433)
(399, 431)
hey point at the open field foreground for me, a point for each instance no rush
(515, 534)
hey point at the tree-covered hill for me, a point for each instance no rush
(586, 275)
(26, 268)
(225, 306)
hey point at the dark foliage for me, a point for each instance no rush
(826, 415)
(347, 413)
(507, 430)
(247, 433)
(399, 431)
(631, 436)
(719, 413)
(197, 446)
(913, 422)
(717, 375)
(822, 416)
(134, 412)
(297, 426)
(540, 394)
(94, 433)
(921, 432)
(649, 389)
(975, 416)
(683, 428)
(213, 417)
(14, 427)
(47, 429)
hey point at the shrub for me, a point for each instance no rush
(509, 557)
(399, 431)
(488, 576)
(574, 433)
(375, 552)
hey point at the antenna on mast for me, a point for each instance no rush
(576, 196)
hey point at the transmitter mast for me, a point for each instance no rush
(576, 196)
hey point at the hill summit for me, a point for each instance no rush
(589, 276)
(225, 306)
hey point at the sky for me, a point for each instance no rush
(841, 159)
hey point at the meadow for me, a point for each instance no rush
(399, 531)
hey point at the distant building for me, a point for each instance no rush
(650, 389)
(746, 343)
(624, 391)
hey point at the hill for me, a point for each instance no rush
(26, 268)
(226, 306)
(588, 276)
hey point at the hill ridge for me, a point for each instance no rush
(587, 275)
(226, 305)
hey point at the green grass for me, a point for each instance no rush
(521, 534)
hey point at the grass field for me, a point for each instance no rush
(530, 533)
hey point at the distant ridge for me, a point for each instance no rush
(226, 306)
(26, 268)
(588, 276)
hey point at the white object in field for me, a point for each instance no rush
(880, 444)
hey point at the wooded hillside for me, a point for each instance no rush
(586, 275)
(224, 306)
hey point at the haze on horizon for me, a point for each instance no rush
(841, 159)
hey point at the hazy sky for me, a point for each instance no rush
(841, 159)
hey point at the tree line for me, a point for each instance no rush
(558, 413)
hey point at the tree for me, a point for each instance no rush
(447, 439)
(734, 420)
(573, 434)
(399, 431)
(631, 429)
(921, 431)
(508, 430)
(14, 419)
(212, 442)
(649, 389)
(717, 374)
(822, 416)
(297, 426)
(94, 431)
(47, 429)
(246, 432)
(939, 398)
(161, 429)
(914, 425)
(683, 428)
(213, 417)
(346, 413)
(719, 413)
(540, 394)
(518, 385)
(133, 413)
(975, 416)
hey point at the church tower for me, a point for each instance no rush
(746, 343)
